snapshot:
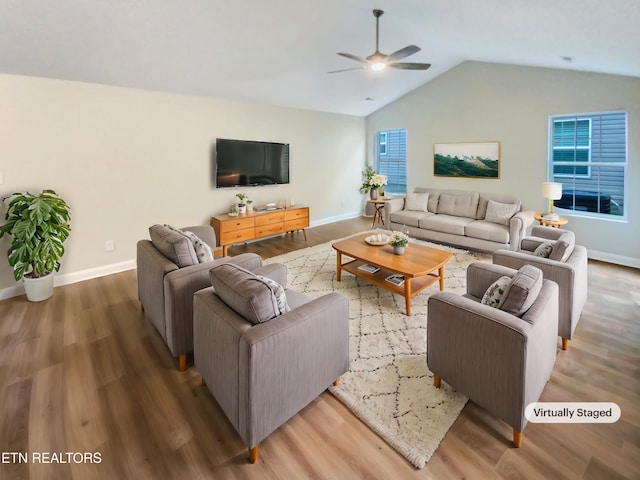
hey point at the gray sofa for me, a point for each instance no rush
(500, 356)
(480, 221)
(169, 273)
(263, 362)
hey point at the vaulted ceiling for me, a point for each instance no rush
(278, 52)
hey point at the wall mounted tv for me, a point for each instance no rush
(239, 163)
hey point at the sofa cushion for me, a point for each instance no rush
(496, 197)
(487, 231)
(495, 293)
(543, 250)
(522, 291)
(445, 223)
(255, 298)
(203, 251)
(500, 213)
(173, 245)
(459, 205)
(416, 201)
(409, 217)
(563, 247)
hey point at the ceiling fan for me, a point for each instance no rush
(379, 61)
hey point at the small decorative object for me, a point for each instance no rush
(399, 241)
(242, 206)
(479, 160)
(372, 182)
(249, 206)
(39, 225)
(233, 212)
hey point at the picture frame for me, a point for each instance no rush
(467, 159)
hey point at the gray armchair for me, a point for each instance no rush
(566, 265)
(263, 369)
(169, 273)
(499, 360)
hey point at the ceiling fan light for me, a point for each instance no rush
(377, 66)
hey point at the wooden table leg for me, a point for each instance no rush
(407, 295)
(338, 266)
(441, 274)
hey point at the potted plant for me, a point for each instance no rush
(39, 225)
(242, 206)
(249, 206)
(372, 182)
(399, 241)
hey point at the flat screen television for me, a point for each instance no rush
(239, 163)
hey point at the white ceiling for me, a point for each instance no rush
(278, 51)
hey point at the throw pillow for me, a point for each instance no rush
(253, 297)
(500, 213)
(203, 251)
(174, 246)
(416, 202)
(522, 290)
(494, 294)
(543, 250)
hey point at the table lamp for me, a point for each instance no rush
(552, 191)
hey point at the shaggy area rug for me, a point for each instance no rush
(388, 385)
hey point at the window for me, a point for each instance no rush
(390, 159)
(588, 155)
(382, 143)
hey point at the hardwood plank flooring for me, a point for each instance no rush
(86, 372)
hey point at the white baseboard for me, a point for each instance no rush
(337, 218)
(73, 277)
(613, 258)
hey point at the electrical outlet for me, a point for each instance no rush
(109, 246)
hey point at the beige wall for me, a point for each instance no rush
(125, 159)
(512, 104)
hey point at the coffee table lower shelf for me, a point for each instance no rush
(410, 288)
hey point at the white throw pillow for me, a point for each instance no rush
(494, 294)
(416, 202)
(543, 250)
(500, 213)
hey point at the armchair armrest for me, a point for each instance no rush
(300, 352)
(390, 206)
(274, 271)
(518, 227)
(547, 233)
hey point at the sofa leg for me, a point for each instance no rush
(142, 307)
(436, 380)
(183, 362)
(517, 438)
(565, 344)
(202, 382)
(336, 382)
(253, 454)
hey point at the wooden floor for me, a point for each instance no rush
(85, 372)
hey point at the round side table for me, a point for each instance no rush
(377, 214)
(550, 223)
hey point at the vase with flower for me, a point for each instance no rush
(399, 241)
(372, 182)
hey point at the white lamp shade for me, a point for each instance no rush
(552, 190)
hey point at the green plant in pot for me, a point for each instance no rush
(39, 225)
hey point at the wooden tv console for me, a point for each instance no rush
(248, 226)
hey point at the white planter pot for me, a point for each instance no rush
(38, 289)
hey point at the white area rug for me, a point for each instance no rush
(388, 385)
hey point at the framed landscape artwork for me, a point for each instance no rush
(467, 159)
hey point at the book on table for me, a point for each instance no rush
(368, 268)
(396, 279)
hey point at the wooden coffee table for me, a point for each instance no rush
(420, 265)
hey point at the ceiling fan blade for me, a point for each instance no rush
(402, 53)
(347, 69)
(410, 66)
(353, 57)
